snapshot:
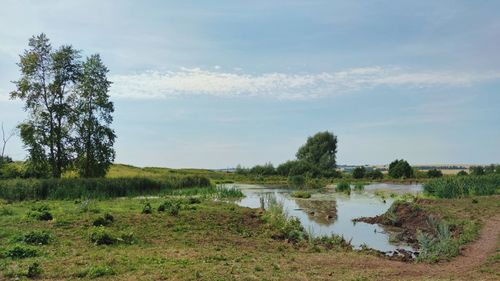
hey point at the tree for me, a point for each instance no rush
(95, 138)
(399, 169)
(263, 170)
(5, 139)
(477, 171)
(320, 150)
(47, 79)
(374, 174)
(434, 173)
(359, 172)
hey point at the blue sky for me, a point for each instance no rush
(216, 83)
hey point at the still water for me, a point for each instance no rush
(332, 213)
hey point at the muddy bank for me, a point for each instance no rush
(408, 217)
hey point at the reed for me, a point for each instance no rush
(464, 186)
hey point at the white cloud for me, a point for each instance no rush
(154, 84)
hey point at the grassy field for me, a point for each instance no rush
(204, 240)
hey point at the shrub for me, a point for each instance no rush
(147, 209)
(374, 174)
(40, 213)
(462, 173)
(35, 237)
(399, 169)
(343, 187)
(297, 181)
(101, 236)
(359, 172)
(34, 270)
(263, 170)
(301, 194)
(105, 220)
(170, 206)
(359, 186)
(434, 173)
(19, 251)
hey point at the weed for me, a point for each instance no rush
(34, 270)
(35, 237)
(343, 187)
(19, 251)
(101, 236)
(301, 194)
(40, 213)
(105, 220)
(147, 209)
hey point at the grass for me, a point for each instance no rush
(343, 187)
(301, 194)
(459, 187)
(74, 188)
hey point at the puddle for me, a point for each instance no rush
(332, 213)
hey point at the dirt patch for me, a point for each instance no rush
(409, 217)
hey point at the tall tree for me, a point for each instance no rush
(94, 147)
(320, 151)
(46, 83)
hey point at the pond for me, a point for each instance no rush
(332, 213)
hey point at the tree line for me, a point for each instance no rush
(69, 111)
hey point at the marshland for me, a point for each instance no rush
(256, 140)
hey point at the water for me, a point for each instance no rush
(332, 213)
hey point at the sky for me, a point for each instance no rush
(213, 84)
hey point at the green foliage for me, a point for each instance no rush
(101, 236)
(19, 251)
(359, 186)
(147, 209)
(457, 187)
(374, 174)
(343, 187)
(36, 189)
(105, 220)
(332, 242)
(434, 173)
(96, 272)
(283, 226)
(93, 110)
(400, 169)
(301, 194)
(359, 172)
(172, 207)
(40, 213)
(320, 151)
(228, 192)
(34, 270)
(263, 170)
(462, 173)
(297, 181)
(35, 237)
(477, 171)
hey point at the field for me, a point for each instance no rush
(205, 240)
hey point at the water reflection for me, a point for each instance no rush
(332, 213)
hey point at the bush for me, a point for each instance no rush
(40, 213)
(105, 220)
(301, 194)
(19, 251)
(359, 186)
(35, 237)
(462, 173)
(434, 173)
(147, 209)
(34, 270)
(343, 187)
(102, 188)
(359, 172)
(297, 181)
(263, 170)
(374, 174)
(101, 236)
(170, 206)
(400, 169)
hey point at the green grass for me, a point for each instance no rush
(74, 188)
(458, 187)
(343, 187)
(301, 194)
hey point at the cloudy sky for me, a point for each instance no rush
(216, 83)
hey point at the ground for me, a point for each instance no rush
(221, 241)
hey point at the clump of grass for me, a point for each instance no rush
(343, 187)
(96, 272)
(172, 207)
(301, 194)
(105, 220)
(283, 226)
(19, 251)
(459, 187)
(147, 209)
(228, 192)
(332, 242)
(359, 187)
(102, 236)
(40, 213)
(35, 237)
(34, 270)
